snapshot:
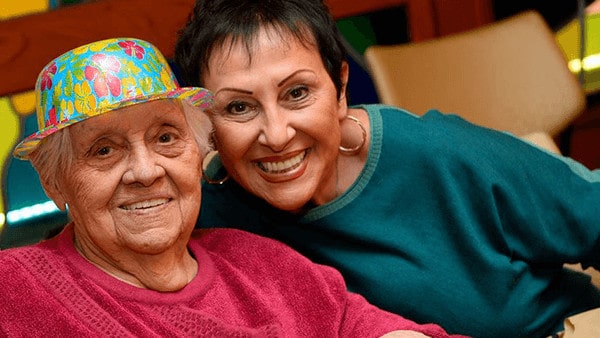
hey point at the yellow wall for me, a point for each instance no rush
(13, 107)
(12, 8)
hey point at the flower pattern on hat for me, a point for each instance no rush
(100, 77)
(105, 76)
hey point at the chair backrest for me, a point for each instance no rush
(510, 75)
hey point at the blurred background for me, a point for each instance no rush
(34, 32)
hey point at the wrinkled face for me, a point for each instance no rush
(134, 183)
(277, 119)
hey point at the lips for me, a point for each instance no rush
(145, 204)
(279, 167)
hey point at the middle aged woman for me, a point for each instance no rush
(431, 217)
(120, 147)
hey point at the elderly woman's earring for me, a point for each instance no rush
(212, 163)
(356, 149)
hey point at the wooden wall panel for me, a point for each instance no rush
(28, 43)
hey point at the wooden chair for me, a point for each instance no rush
(510, 75)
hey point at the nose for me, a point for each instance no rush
(276, 131)
(143, 167)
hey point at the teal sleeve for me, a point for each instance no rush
(548, 206)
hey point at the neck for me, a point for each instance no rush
(165, 272)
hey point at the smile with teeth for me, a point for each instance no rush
(145, 204)
(282, 166)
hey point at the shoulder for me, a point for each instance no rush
(233, 242)
(431, 116)
(243, 260)
(45, 255)
(24, 265)
(10, 257)
(261, 255)
(30, 253)
(384, 109)
(398, 123)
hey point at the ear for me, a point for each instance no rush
(344, 75)
(54, 192)
(343, 102)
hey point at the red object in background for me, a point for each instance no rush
(584, 135)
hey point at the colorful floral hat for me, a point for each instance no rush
(100, 77)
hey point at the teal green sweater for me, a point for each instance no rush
(448, 223)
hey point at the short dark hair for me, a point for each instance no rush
(213, 23)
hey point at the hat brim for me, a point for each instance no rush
(198, 97)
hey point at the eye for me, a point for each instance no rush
(104, 151)
(165, 138)
(238, 108)
(298, 93)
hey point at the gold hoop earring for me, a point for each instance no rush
(214, 168)
(355, 150)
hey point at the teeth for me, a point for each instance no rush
(279, 167)
(145, 204)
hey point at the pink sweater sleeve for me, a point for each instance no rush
(365, 320)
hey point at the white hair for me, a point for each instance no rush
(201, 126)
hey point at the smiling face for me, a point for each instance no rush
(277, 119)
(134, 182)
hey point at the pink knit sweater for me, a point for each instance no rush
(246, 286)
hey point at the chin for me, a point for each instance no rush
(291, 206)
(152, 245)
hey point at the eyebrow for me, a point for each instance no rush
(249, 92)
(228, 89)
(292, 75)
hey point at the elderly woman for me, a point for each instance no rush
(120, 148)
(430, 217)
